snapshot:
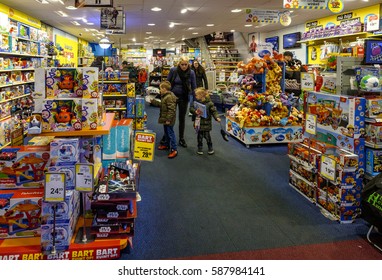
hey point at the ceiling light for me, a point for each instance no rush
(61, 13)
(151, 24)
(70, 8)
(104, 43)
(172, 38)
(75, 22)
(232, 30)
(148, 32)
(156, 9)
(210, 24)
(84, 20)
(172, 25)
(195, 33)
(183, 11)
(191, 28)
(42, 1)
(90, 23)
(236, 11)
(134, 40)
(248, 25)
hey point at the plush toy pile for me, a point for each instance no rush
(262, 102)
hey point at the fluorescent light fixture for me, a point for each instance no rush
(210, 24)
(232, 30)
(171, 25)
(104, 43)
(70, 8)
(248, 25)
(191, 28)
(236, 11)
(151, 24)
(172, 38)
(134, 40)
(75, 22)
(195, 33)
(84, 20)
(42, 1)
(90, 23)
(156, 9)
(61, 13)
(149, 32)
(183, 11)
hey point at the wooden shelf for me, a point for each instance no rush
(103, 130)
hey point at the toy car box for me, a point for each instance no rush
(20, 213)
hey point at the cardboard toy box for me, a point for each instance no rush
(63, 233)
(69, 171)
(374, 133)
(62, 83)
(264, 134)
(25, 167)
(374, 107)
(90, 149)
(64, 210)
(342, 115)
(109, 146)
(124, 135)
(89, 114)
(373, 161)
(20, 213)
(89, 82)
(305, 187)
(64, 150)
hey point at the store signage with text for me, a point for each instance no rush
(306, 4)
(144, 146)
(262, 16)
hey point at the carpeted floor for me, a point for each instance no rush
(234, 204)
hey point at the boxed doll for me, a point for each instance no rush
(89, 113)
(64, 150)
(88, 82)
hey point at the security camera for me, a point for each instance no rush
(80, 34)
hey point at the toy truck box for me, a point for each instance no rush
(24, 167)
(342, 115)
(20, 213)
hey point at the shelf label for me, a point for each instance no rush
(310, 124)
(144, 146)
(54, 187)
(307, 81)
(328, 168)
(84, 177)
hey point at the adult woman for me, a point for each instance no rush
(200, 73)
(183, 84)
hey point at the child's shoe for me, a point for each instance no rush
(200, 151)
(173, 154)
(162, 147)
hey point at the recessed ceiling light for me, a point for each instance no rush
(61, 13)
(191, 28)
(156, 9)
(148, 32)
(232, 30)
(134, 40)
(183, 11)
(90, 23)
(70, 8)
(236, 11)
(151, 24)
(210, 24)
(248, 25)
(42, 1)
(172, 25)
(195, 33)
(75, 22)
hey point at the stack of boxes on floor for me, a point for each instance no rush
(338, 142)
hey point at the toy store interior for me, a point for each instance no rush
(296, 124)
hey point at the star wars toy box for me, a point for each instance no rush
(23, 167)
(342, 115)
(20, 213)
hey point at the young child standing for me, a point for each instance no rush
(167, 117)
(203, 120)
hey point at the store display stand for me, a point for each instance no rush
(369, 239)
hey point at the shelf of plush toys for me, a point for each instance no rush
(265, 113)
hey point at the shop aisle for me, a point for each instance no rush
(234, 204)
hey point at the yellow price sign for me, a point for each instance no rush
(328, 168)
(144, 146)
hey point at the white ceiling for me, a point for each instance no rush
(138, 14)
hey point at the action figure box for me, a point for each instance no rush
(24, 167)
(342, 115)
(306, 173)
(88, 82)
(20, 213)
(139, 107)
(61, 115)
(373, 161)
(111, 229)
(89, 114)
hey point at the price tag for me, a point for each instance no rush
(307, 81)
(144, 146)
(84, 177)
(222, 77)
(234, 77)
(310, 123)
(54, 187)
(328, 168)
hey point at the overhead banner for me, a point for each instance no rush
(306, 4)
(267, 16)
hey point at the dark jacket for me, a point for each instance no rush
(177, 86)
(201, 78)
(167, 108)
(206, 123)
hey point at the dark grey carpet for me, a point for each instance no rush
(235, 200)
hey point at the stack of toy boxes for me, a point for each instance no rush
(130, 104)
(67, 98)
(114, 202)
(67, 213)
(303, 166)
(342, 197)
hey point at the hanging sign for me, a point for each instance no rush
(261, 16)
(285, 18)
(144, 145)
(371, 22)
(307, 81)
(328, 168)
(306, 4)
(54, 187)
(335, 6)
(310, 123)
(84, 177)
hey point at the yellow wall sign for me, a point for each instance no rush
(335, 6)
(144, 146)
(70, 50)
(19, 16)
